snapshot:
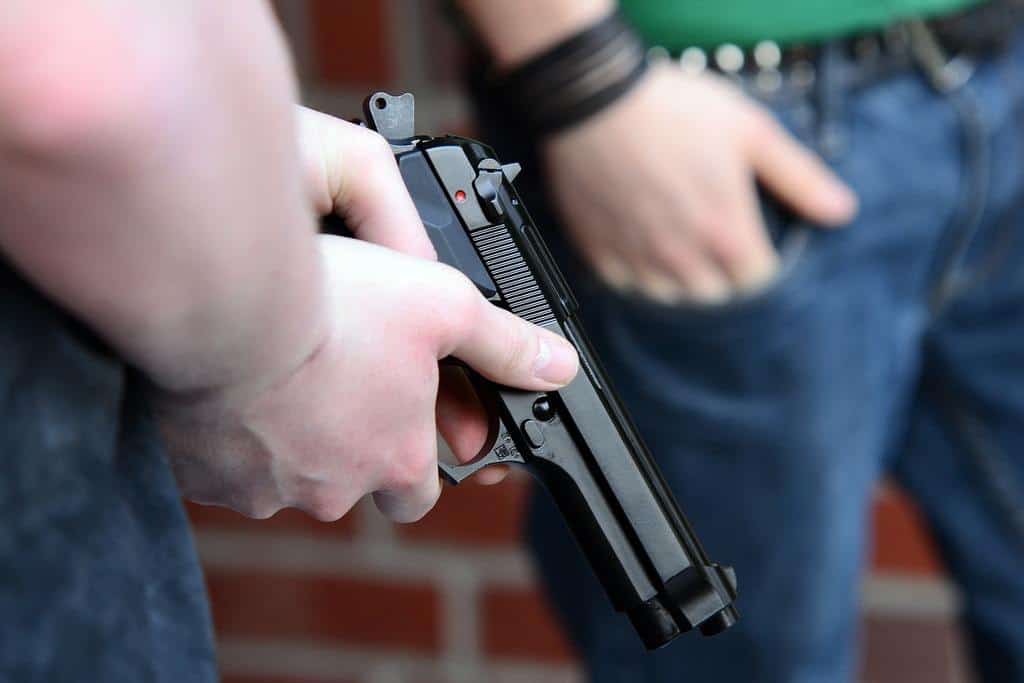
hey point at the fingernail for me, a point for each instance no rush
(556, 362)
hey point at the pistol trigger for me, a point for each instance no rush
(503, 452)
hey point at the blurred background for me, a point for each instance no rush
(452, 599)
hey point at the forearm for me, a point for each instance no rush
(516, 31)
(151, 183)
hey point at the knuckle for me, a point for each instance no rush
(461, 301)
(372, 155)
(257, 510)
(366, 169)
(728, 244)
(709, 225)
(374, 144)
(379, 173)
(519, 350)
(325, 508)
(413, 466)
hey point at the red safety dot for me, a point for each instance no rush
(460, 196)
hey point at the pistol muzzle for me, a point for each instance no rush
(696, 598)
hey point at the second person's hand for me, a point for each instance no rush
(658, 191)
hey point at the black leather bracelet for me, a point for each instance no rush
(576, 78)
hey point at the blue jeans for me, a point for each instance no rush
(894, 346)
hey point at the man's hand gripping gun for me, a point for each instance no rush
(578, 441)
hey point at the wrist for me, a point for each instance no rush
(575, 79)
(270, 352)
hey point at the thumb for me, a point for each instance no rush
(510, 351)
(797, 176)
(353, 173)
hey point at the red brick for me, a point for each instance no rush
(915, 649)
(901, 541)
(295, 521)
(351, 42)
(359, 611)
(474, 515)
(517, 623)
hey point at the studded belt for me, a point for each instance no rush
(947, 47)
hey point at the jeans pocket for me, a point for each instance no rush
(744, 311)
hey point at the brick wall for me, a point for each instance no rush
(452, 599)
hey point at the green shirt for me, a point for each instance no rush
(677, 24)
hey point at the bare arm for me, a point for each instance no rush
(152, 183)
(515, 31)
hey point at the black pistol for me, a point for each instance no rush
(578, 441)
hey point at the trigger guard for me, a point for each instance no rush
(503, 452)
